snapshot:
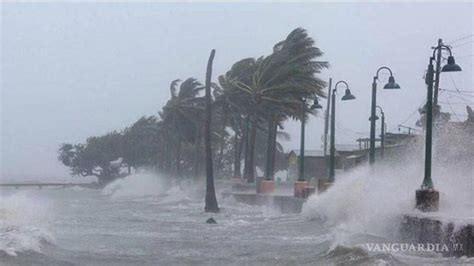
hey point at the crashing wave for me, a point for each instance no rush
(19, 239)
(23, 223)
(137, 185)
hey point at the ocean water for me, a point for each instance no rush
(142, 220)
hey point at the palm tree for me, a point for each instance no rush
(279, 84)
(211, 200)
(180, 114)
(231, 101)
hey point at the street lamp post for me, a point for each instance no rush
(301, 159)
(427, 198)
(332, 147)
(390, 85)
(382, 132)
(301, 182)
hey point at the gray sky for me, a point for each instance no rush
(70, 71)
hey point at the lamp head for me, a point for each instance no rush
(451, 66)
(376, 118)
(316, 104)
(348, 96)
(391, 84)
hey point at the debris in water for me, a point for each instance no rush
(211, 221)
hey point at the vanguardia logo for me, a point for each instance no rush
(404, 247)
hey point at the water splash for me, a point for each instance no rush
(136, 185)
(24, 224)
(367, 204)
(362, 201)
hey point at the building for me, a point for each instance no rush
(316, 164)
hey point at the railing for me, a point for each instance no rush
(40, 185)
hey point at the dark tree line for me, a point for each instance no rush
(249, 102)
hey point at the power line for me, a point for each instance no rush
(462, 98)
(456, 91)
(452, 109)
(460, 94)
(462, 44)
(463, 103)
(460, 39)
(464, 56)
(456, 87)
(350, 130)
(411, 115)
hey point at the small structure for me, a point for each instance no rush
(316, 166)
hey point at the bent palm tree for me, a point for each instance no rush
(181, 113)
(279, 84)
(211, 201)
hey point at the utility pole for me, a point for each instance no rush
(437, 72)
(326, 119)
(301, 159)
(382, 131)
(332, 156)
(382, 136)
(372, 122)
(326, 126)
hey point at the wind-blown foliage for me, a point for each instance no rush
(94, 157)
(279, 84)
(253, 99)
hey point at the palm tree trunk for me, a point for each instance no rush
(211, 200)
(221, 148)
(272, 161)
(178, 156)
(268, 157)
(246, 145)
(237, 154)
(167, 159)
(249, 174)
(197, 150)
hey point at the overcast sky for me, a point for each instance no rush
(70, 71)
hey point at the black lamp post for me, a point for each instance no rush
(314, 106)
(427, 198)
(390, 85)
(382, 132)
(332, 149)
(300, 184)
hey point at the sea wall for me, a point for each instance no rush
(457, 239)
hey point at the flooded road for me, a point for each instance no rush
(128, 223)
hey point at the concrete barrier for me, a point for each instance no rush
(283, 203)
(456, 238)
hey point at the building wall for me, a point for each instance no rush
(315, 167)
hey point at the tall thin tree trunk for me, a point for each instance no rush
(211, 200)
(221, 148)
(197, 150)
(268, 156)
(251, 150)
(178, 157)
(273, 155)
(167, 159)
(237, 154)
(246, 145)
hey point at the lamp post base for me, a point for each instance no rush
(266, 186)
(427, 200)
(307, 191)
(323, 185)
(298, 188)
